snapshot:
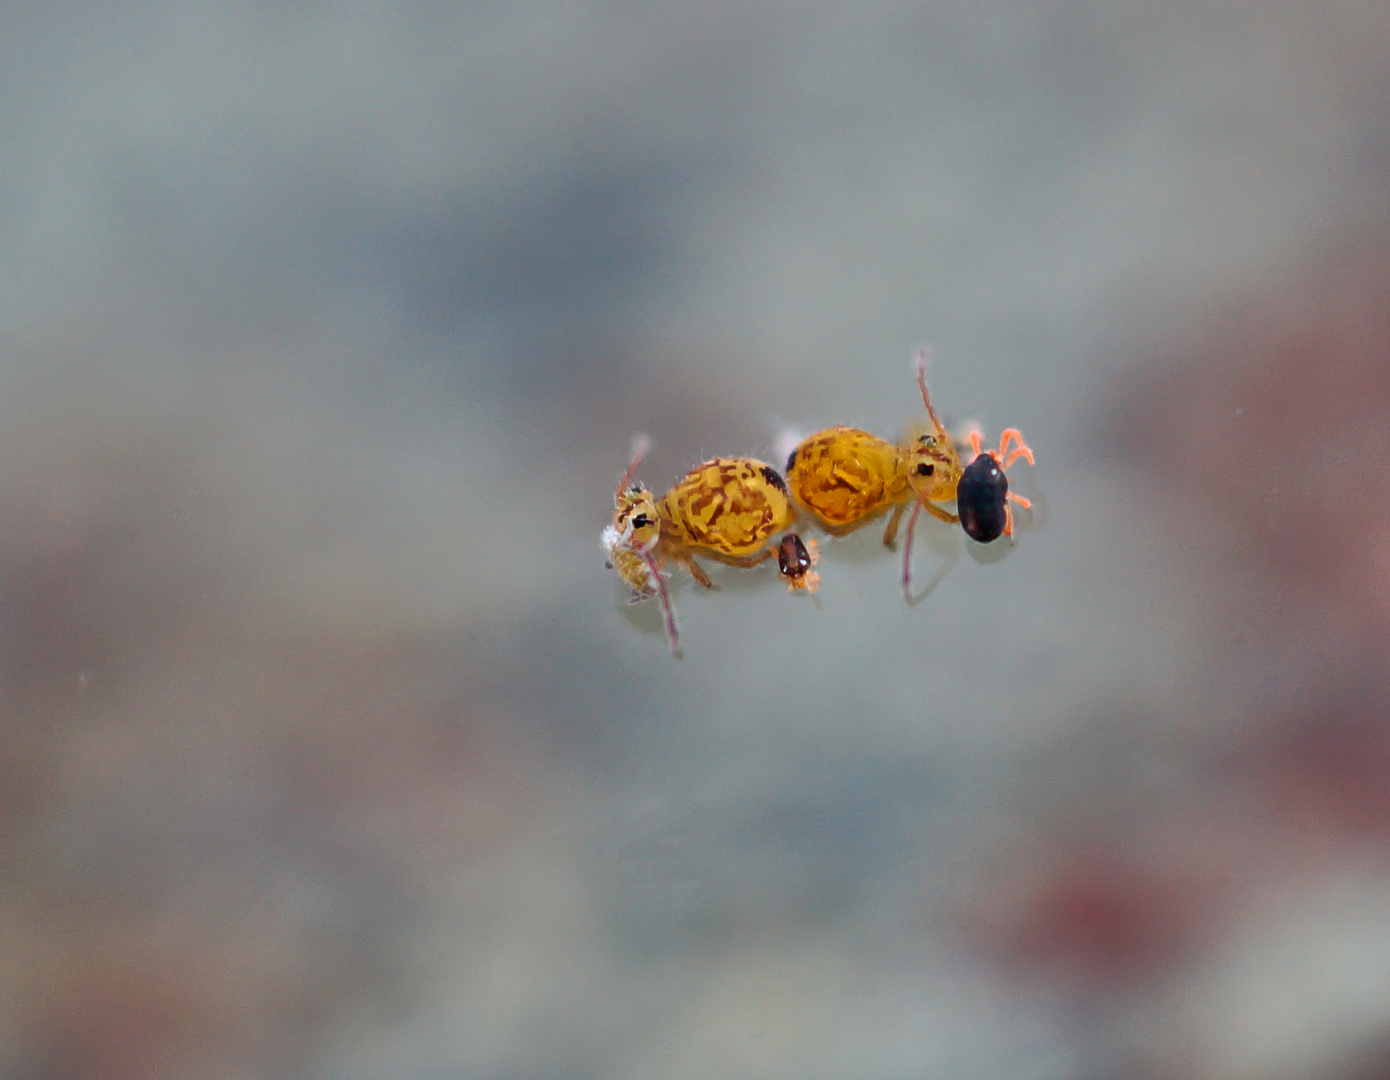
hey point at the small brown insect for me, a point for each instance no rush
(794, 562)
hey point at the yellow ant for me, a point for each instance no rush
(726, 508)
(846, 476)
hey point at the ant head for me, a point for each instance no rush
(629, 540)
(635, 522)
(932, 458)
(933, 466)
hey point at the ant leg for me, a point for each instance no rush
(746, 562)
(839, 530)
(672, 635)
(936, 512)
(907, 550)
(940, 514)
(975, 450)
(891, 533)
(1025, 503)
(696, 571)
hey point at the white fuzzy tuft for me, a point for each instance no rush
(785, 439)
(961, 432)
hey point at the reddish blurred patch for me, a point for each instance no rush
(1101, 917)
(138, 1014)
(1095, 915)
(1275, 424)
(1327, 770)
(218, 803)
(1271, 427)
(1268, 432)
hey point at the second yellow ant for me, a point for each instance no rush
(726, 508)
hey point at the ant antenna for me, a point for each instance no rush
(923, 359)
(640, 445)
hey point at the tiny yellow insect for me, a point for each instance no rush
(726, 508)
(846, 476)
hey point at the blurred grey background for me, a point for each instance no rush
(330, 748)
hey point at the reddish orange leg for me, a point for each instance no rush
(672, 636)
(1009, 511)
(810, 580)
(1003, 455)
(1022, 450)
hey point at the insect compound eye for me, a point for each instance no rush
(641, 521)
(791, 461)
(927, 440)
(926, 468)
(773, 477)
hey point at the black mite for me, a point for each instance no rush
(982, 499)
(982, 493)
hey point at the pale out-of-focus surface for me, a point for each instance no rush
(330, 749)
